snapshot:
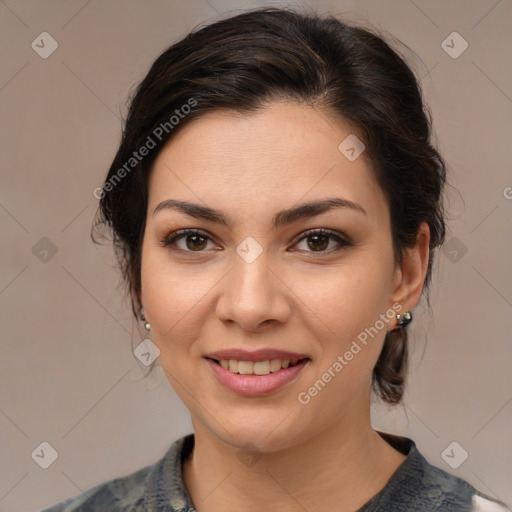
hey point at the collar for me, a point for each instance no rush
(415, 483)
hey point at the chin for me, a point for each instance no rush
(263, 433)
(248, 439)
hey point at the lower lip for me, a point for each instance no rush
(256, 385)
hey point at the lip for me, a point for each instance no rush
(255, 355)
(256, 385)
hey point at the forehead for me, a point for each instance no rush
(279, 155)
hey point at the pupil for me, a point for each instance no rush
(320, 245)
(195, 244)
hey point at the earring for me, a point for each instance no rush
(403, 320)
(146, 323)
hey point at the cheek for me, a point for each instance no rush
(347, 304)
(348, 298)
(172, 297)
(346, 320)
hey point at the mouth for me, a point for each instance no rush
(264, 367)
(256, 378)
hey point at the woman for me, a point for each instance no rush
(276, 205)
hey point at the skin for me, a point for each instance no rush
(324, 455)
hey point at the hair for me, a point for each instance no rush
(249, 60)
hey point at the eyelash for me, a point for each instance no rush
(334, 235)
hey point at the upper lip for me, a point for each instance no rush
(257, 355)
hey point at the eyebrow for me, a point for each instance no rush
(284, 217)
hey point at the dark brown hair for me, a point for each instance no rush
(248, 60)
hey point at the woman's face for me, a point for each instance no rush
(259, 288)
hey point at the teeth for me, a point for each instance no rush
(261, 367)
(245, 367)
(258, 367)
(275, 365)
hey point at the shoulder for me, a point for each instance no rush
(138, 491)
(119, 494)
(455, 493)
(418, 485)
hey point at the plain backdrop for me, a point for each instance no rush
(68, 376)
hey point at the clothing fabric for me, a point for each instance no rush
(416, 486)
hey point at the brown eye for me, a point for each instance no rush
(193, 240)
(319, 241)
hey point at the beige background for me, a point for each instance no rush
(67, 374)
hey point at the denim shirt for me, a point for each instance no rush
(415, 486)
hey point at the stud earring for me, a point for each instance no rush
(403, 320)
(147, 325)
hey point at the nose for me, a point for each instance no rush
(253, 296)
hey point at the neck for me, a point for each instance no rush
(340, 468)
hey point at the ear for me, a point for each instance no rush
(410, 275)
(140, 300)
(142, 310)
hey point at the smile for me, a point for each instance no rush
(256, 378)
(256, 367)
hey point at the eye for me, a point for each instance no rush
(318, 240)
(194, 240)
